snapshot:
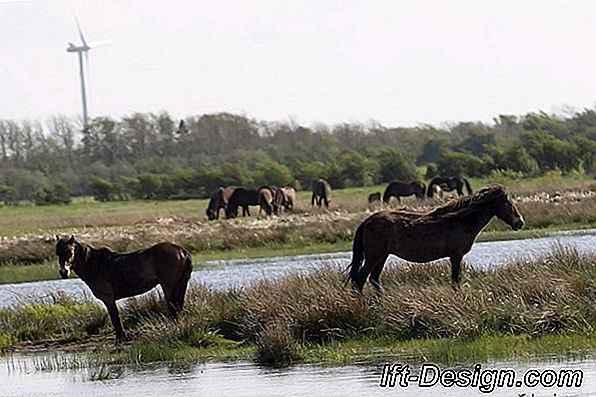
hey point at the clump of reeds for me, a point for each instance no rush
(316, 307)
(276, 346)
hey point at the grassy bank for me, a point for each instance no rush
(515, 311)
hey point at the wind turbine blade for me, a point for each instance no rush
(94, 44)
(79, 28)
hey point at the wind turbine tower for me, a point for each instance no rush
(81, 49)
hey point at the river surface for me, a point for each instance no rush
(238, 273)
(24, 375)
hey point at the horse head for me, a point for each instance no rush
(211, 213)
(65, 249)
(507, 211)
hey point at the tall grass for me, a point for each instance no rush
(549, 296)
(63, 320)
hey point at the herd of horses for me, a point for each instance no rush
(447, 231)
(273, 200)
(436, 187)
(270, 199)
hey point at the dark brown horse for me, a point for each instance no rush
(112, 276)
(448, 231)
(399, 189)
(242, 197)
(321, 192)
(450, 184)
(219, 199)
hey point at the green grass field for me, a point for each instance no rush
(86, 213)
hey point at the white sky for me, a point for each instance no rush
(396, 62)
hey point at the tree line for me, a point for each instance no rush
(153, 156)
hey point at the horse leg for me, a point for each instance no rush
(115, 317)
(180, 293)
(375, 275)
(456, 261)
(312, 200)
(175, 293)
(172, 300)
(371, 262)
(326, 201)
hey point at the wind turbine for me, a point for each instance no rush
(80, 50)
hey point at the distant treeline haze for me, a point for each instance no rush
(152, 156)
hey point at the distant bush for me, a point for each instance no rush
(56, 194)
(105, 190)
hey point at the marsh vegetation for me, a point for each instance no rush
(542, 306)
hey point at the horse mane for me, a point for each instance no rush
(99, 255)
(465, 205)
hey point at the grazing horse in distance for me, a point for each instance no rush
(242, 197)
(321, 192)
(447, 231)
(374, 197)
(219, 199)
(112, 276)
(374, 201)
(449, 184)
(266, 200)
(289, 197)
(271, 199)
(399, 189)
(279, 199)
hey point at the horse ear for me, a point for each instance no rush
(57, 237)
(71, 239)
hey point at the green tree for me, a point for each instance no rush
(270, 172)
(395, 165)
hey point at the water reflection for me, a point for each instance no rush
(18, 377)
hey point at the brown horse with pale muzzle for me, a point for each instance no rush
(112, 276)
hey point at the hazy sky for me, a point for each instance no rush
(395, 62)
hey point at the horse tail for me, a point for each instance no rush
(179, 292)
(468, 187)
(357, 255)
(187, 261)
